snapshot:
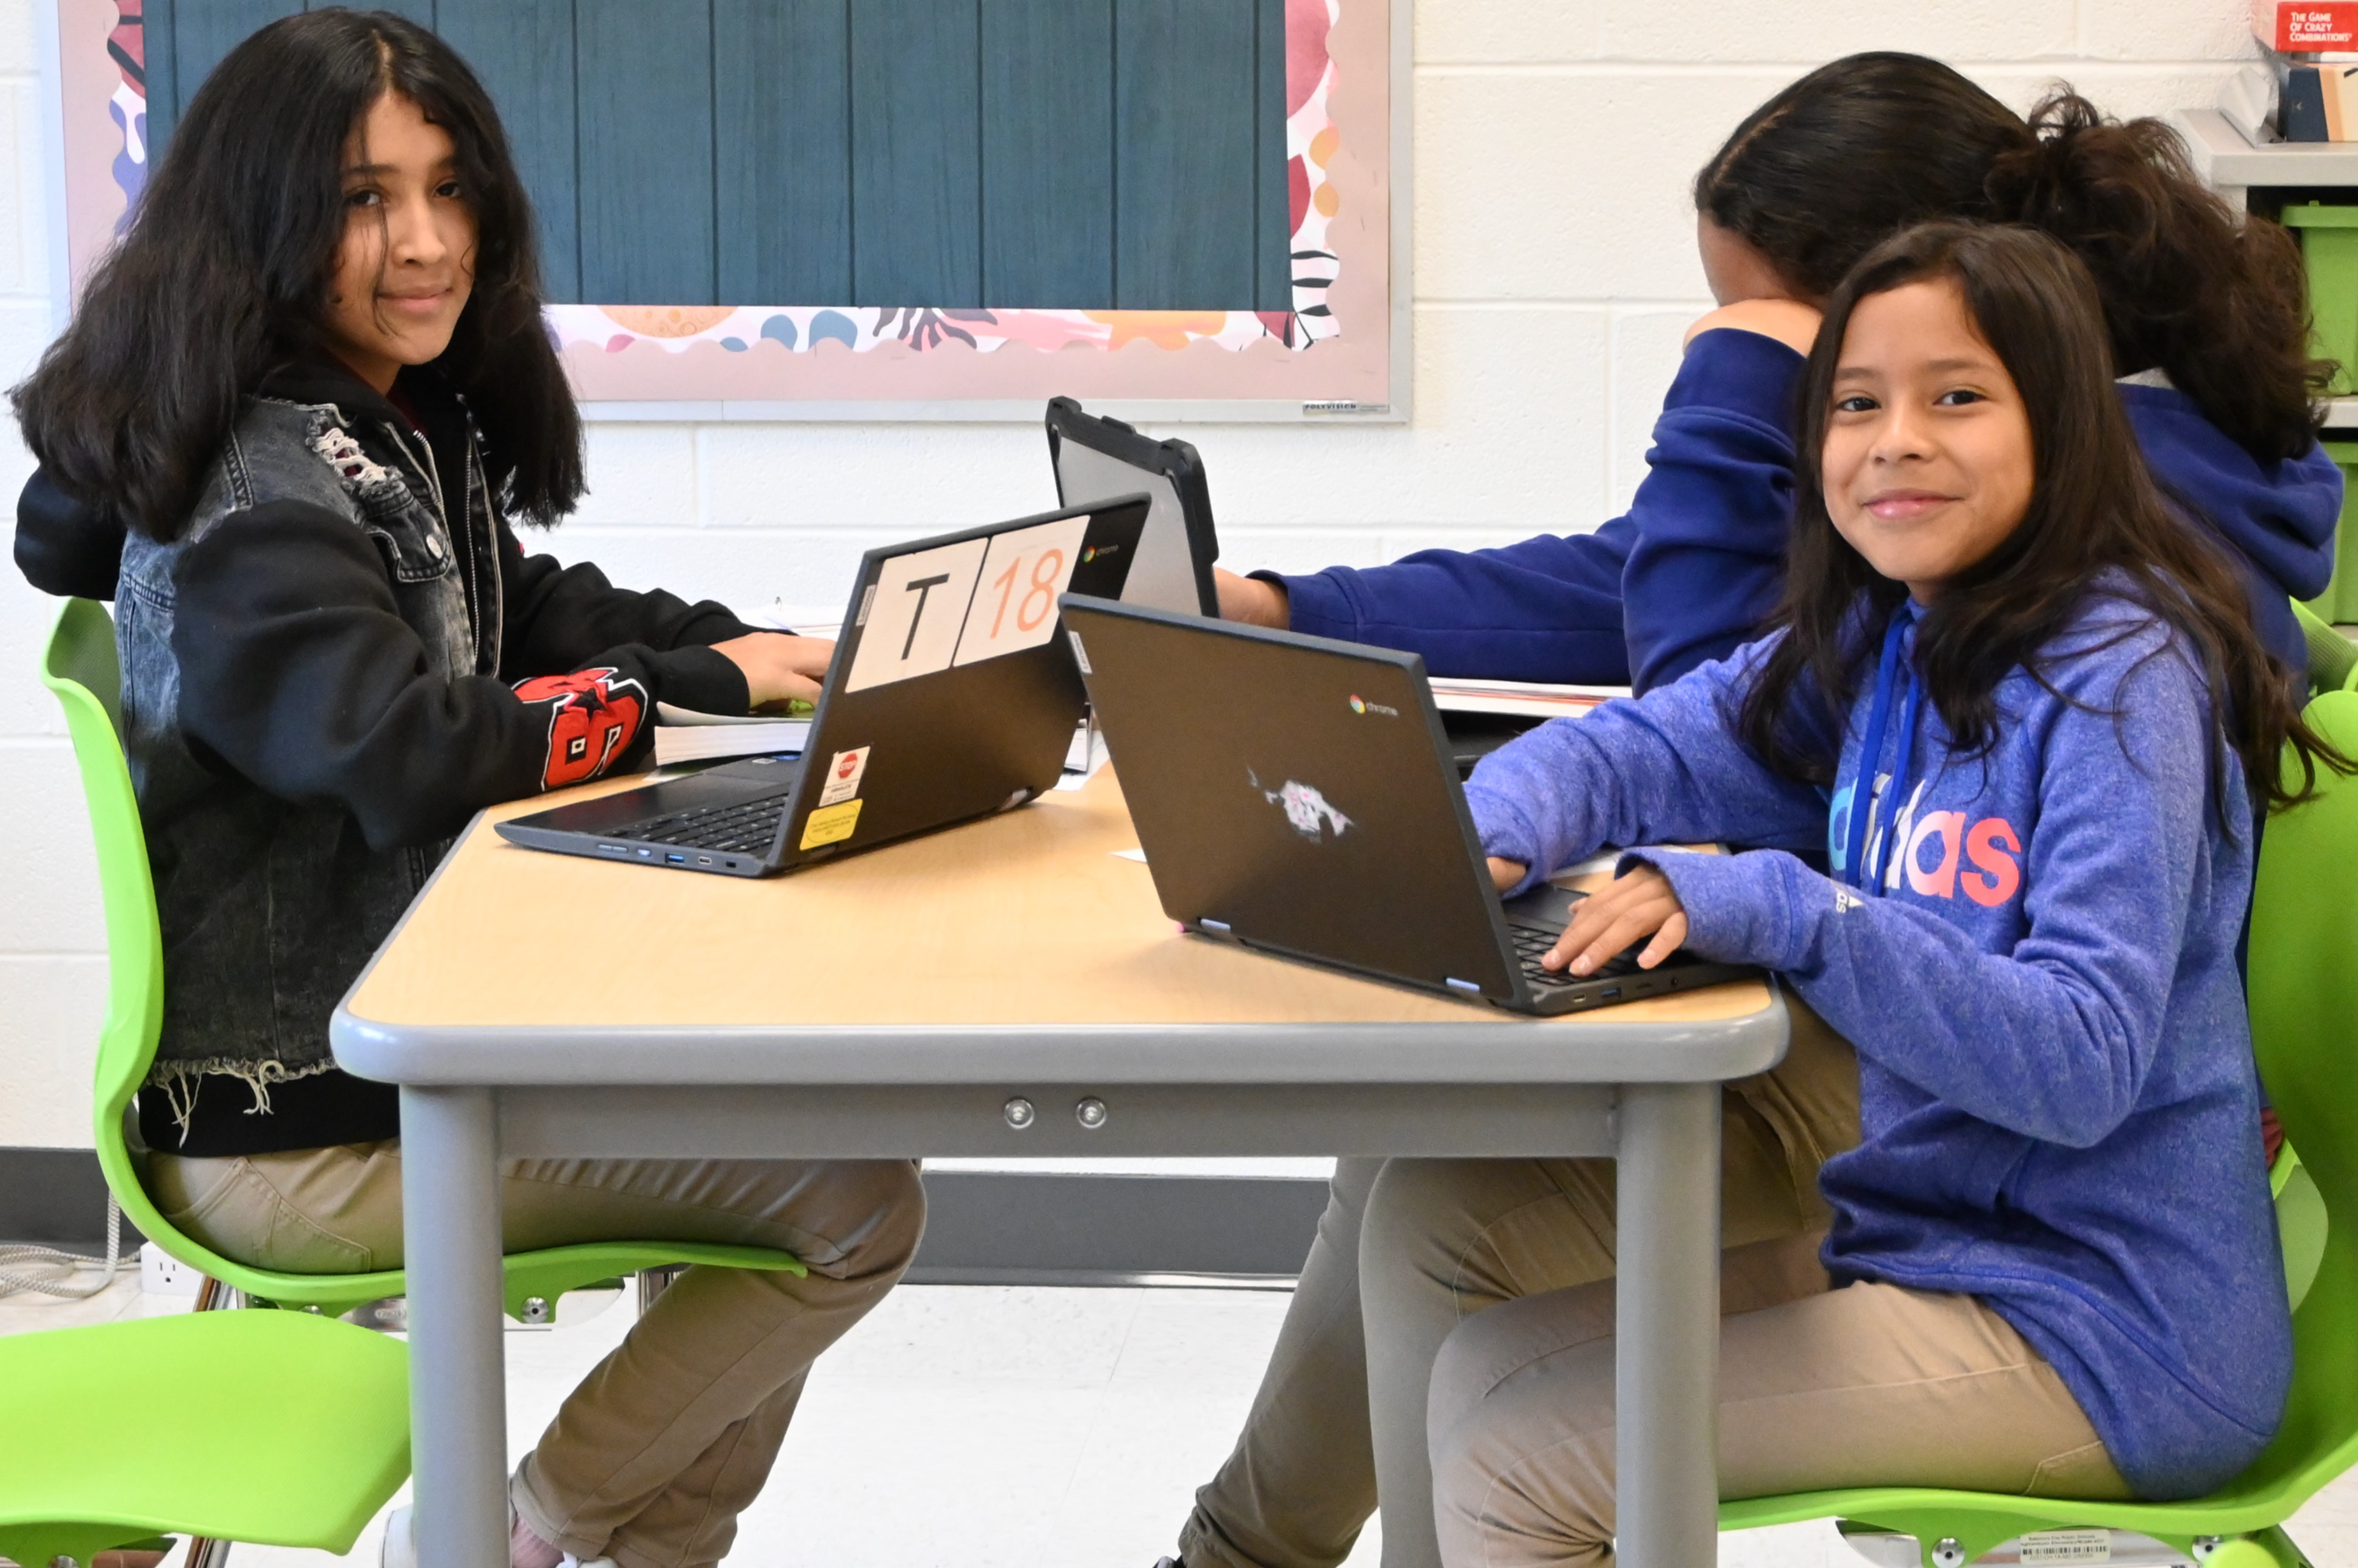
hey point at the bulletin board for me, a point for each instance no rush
(1339, 352)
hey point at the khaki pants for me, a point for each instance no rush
(1868, 1385)
(653, 1457)
(1408, 1249)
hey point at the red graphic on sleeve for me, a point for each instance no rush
(593, 715)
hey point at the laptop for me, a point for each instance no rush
(951, 696)
(1096, 458)
(1296, 796)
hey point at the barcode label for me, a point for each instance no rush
(2068, 1546)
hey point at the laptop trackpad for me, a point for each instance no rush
(1546, 907)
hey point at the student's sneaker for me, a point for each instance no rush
(401, 1546)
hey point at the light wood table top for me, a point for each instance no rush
(1025, 921)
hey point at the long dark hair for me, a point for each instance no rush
(223, 273)
(1867, 144)
(2094, 514)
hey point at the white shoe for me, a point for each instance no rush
(400, 1548)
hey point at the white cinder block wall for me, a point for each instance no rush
(1555, 272)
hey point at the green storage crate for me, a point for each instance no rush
(2329, 241)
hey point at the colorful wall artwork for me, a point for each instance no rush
(1335, 348)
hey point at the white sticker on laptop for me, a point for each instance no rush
(920, 606)
(1015, 601)
(843, 776)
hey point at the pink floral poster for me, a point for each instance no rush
(1333, 350)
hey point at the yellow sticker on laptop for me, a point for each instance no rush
(830, 823)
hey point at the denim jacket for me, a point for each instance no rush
(343, 654)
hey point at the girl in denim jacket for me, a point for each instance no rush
(287, 432)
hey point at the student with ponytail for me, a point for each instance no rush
(2206, 315)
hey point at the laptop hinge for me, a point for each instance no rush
(1218, 928)
(1465, 987)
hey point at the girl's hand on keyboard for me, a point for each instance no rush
(779, 665)
(1607, 922)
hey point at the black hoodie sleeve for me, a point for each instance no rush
(298, 670)
(61, 548)
(557, 615)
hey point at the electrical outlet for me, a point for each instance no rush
(161, 1275)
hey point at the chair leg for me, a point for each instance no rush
(653, 1282)
(214, 1296)
(204, 1553)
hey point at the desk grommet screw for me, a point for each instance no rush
(1019, 1113)
(1090, 1113)
(1948, 1553)
(535, 1309)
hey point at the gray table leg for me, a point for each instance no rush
(1666, 1377)
(457, 1399)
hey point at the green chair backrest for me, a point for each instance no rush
(2332, 657)
(2304, 1001)
(80, 667)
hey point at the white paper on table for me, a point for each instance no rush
(913, 618)
(1521, 699)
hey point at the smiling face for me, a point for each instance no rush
(407, 261)
(1928, 463)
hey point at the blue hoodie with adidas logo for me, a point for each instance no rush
(2034, 953)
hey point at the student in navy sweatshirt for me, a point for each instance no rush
(2019, 704)
(2208, 322)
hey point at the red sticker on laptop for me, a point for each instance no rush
(843, 776)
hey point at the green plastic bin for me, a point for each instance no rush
(2337, 605)
(2328, 243)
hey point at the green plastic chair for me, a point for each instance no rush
(305, 1434)
(2304, 1001)
(80, 665)
(2332, 657)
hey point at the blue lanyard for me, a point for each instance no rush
(1864, 806)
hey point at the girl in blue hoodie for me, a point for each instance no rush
(2019, 704)
(2207, 316)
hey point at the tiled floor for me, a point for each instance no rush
(983, 1427)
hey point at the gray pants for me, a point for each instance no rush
(1407, 1249)
(670, 1437)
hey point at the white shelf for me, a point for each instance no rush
(2226, 159)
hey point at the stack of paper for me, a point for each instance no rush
(684, 735)
(1521, 699)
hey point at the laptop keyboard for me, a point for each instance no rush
(749, 827)
(1531, 946)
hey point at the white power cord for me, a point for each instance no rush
(60, 1268)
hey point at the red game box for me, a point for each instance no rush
(2305, 27)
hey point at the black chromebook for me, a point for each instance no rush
(1297, 795)
(951, 696)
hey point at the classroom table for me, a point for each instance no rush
(1007, 988)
